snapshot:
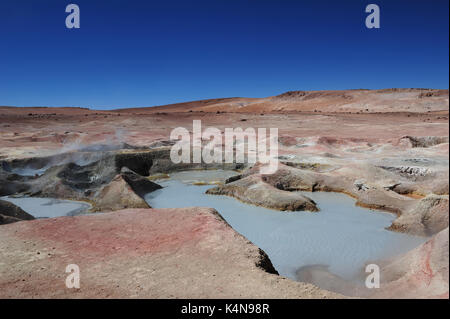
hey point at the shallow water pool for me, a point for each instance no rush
(341, 236)
(48, 207)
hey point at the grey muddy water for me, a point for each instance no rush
(48, 207)
(342, 236)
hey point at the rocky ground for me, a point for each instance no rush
(140, 253)
(388, 149)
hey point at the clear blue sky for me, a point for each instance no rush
(143, 53)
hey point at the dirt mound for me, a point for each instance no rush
(10, 213)
(424, 141)
(139, 184)
(254, 190)
(420, 273)
(430, 216)
(117, 195)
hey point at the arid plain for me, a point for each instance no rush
(388, 149)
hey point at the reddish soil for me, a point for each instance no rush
(140, 253)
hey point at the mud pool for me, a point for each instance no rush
(341, 237)
(48, 207)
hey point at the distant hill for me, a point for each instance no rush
(342, 101)
(361, 100)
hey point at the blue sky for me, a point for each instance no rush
(144, 53)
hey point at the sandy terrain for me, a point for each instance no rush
(171, 253)
(388, 149)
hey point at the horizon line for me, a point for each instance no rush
(106, 108)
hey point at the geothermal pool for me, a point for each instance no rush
(48, 207)
(342, 236)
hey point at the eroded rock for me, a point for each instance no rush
(10, 213)
(425, 141)
(430, 216)
(140, 185)
(255, 191)
(118, 195)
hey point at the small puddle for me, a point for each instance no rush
(342, 237)
(48, 207)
